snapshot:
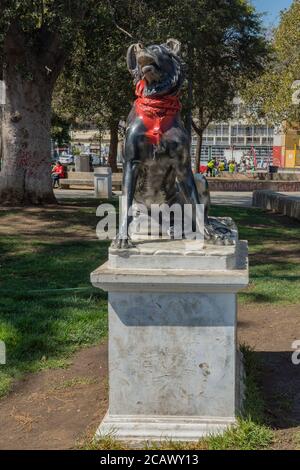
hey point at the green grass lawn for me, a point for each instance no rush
(48, 308)
(274, 255)
(43, 322)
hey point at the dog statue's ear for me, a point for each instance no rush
(131, 57)
(174, 45)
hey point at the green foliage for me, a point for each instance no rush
(40, 38)
(220, 44)
(96, 85)
(60, 130)
(41, 34)
(271, 95)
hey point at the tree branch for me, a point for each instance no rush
(112, 11)
(197, 128)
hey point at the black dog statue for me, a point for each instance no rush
(157, 165)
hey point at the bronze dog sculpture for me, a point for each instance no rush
(157, 165)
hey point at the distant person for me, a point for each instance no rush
(221, 167)
(91, 163)
(232, 167)
(211, 167)
(58, 172)
(216, 168)
(243, 165)
(202, 169)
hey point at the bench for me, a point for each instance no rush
(67, 182)
(76, 178)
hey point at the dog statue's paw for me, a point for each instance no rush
(215, 235)
(122, 243)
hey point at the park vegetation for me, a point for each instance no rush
(275, 95)
(69, 58)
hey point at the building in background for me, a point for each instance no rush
(286, 152)
(232, 140)
(87, 139)
(237, 137)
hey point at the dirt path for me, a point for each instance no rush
(270, 331)
(58, 409)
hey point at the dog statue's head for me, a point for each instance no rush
(160, 67)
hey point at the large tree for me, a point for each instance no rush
(275, 95)
(96, 85)
(36, 38)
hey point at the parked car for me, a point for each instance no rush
(66, 159)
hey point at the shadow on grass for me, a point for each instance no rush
(255, 225)
(274, 259)
(41, 330)
(279, 381)
(49, 265)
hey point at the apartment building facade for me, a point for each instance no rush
(237, 137)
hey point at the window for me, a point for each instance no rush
(234, 130)
(222, 140)
(225, 129)
(209, 140)
(218, 130)
(267, 140)
(241, 130)
(211, 130)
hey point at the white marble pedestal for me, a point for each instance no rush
(173, 360)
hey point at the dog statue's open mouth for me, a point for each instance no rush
(149, 73)
(148, 67)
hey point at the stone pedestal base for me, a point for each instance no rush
(156, 428)
(173, 362)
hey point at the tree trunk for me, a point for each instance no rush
(1, 139)
(198, 152)
(113, 146)
(189, 111)
(25, 176)
(189, 117)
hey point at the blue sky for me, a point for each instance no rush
(272, 8)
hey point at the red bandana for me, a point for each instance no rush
(157, 113)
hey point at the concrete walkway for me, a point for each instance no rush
(238, 199)
(62, 194)
(226, 198)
